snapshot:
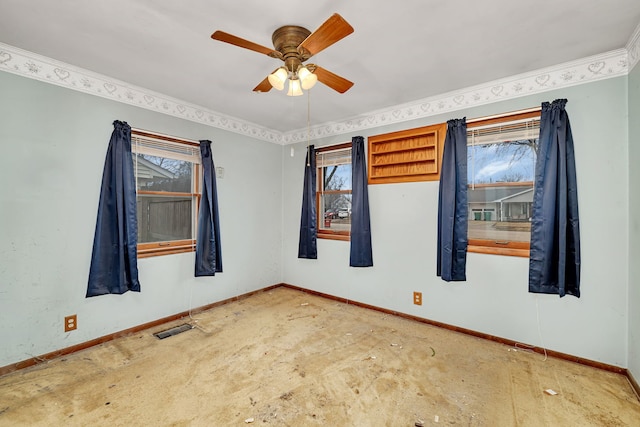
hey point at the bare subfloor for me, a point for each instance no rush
(287, 358)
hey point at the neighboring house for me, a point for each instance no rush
(500, 201)
(148, 172)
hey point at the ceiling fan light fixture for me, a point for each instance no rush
(307, 78)
(294, 88)
(278, 78)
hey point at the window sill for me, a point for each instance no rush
(493, 250)
(334, 236)
(146, 250)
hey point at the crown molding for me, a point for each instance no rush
(633, 48)
(604, 66)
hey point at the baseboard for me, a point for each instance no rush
(556, 354)
(82, 346)
(634, 384)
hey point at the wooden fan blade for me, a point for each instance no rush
(263, 86)
(334, 81)
(237, 41)
(333, 29)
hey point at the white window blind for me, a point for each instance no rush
(516, 130)
(333, 158)
(144, 144)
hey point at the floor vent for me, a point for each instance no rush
(173, 331)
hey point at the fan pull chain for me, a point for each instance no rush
(308, 125)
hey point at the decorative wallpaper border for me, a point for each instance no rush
(599, 67)
(34, 66)
(607, 65)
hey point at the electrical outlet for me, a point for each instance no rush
(70, 323)
(417, 298)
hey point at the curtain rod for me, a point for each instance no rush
(165, 137)
(497, 116)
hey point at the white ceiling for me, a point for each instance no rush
(400, 52)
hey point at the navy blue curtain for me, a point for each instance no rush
(554, 261)
(361, 254)
(208, 248)
(114, 261)
(307, 245)
(452, 204)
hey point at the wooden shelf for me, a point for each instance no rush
(400, 162)
(408, 155)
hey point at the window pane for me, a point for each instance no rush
(334, 192)
(500, 190)
(164, 218)
(337, 177)
(336, 210)
(155, 173)
(504, 162)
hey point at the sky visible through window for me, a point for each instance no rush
(502, 162)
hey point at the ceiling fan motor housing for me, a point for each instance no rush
(286, 40)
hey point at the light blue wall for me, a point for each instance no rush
(634, 222)
(494, 300)
(54, 142)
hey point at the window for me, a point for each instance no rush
(167, 172)
(501, 158)
(333, 195)
(406, 156)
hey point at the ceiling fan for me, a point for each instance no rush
(294, 45)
